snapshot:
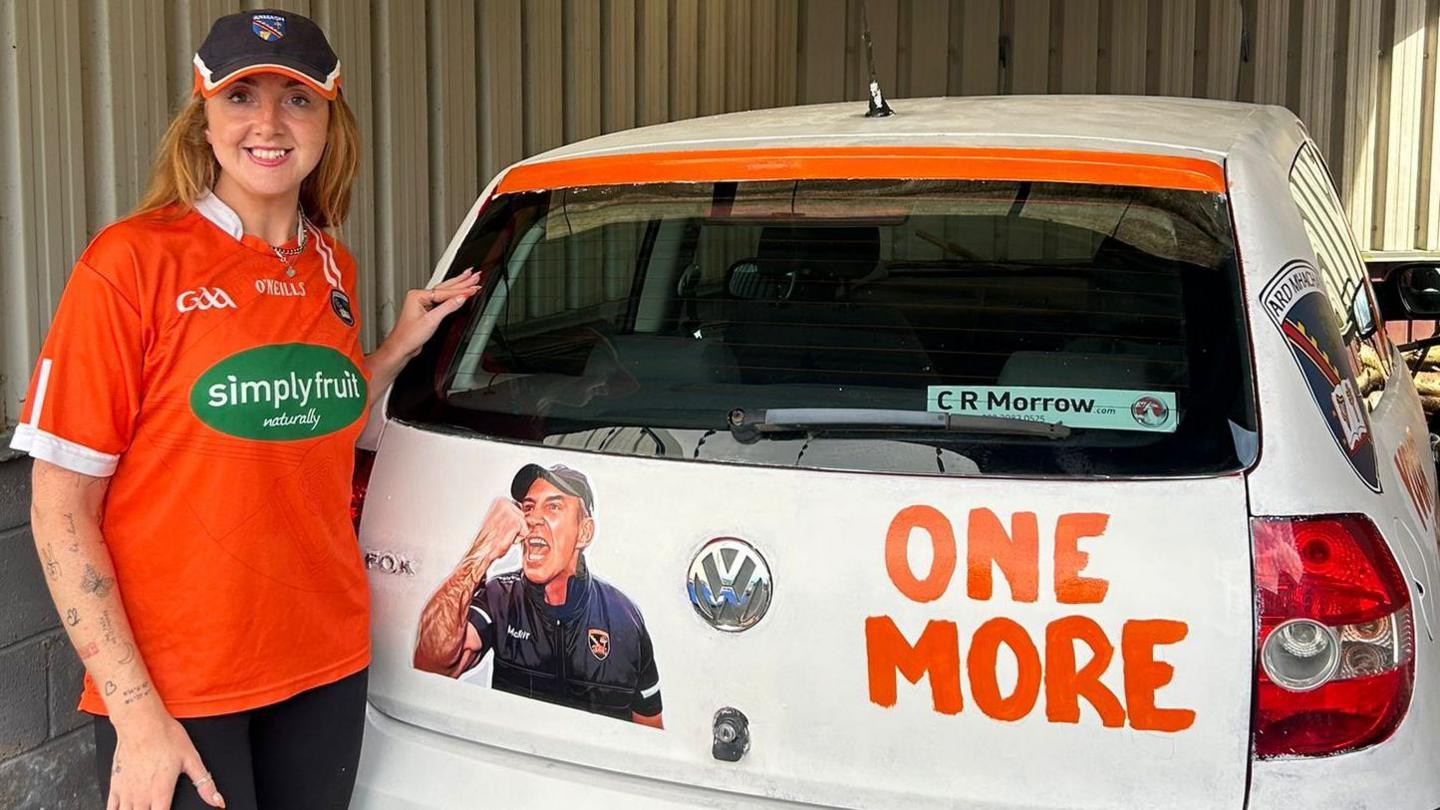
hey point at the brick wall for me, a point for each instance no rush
(47, 751)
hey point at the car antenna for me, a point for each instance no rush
(878, 107)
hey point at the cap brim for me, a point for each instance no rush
(207, 89)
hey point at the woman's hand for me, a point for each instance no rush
(420, 316)
(150, 755)
(423, 311)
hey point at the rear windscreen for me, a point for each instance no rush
(935, 327)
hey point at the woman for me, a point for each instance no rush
(192, 419)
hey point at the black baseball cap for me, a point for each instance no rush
(266, 41)
(565, 479)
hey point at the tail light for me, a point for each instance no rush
(1336, 639)
(364, 462)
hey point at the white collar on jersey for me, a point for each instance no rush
(224, 217)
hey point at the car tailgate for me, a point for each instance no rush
(1073, 643)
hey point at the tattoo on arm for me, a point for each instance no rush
(72, 617)
(96, 584)
(70, 530)
(109, 688)
(137, 693)
(52, 565)
(108, 628)
(88, 651)
(129, 654)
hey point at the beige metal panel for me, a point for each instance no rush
(1362, 133)
(1317, 75)
(924, 42)
(979, 38)
(1222, 46)
(652, 62)
(738, 45)
(543, 62)
(1028, 28)
(348, 25)
(763, 16)
(617, 104)
(1428, 214)
(582, 71)
(1079, 46)
(1402, 151)
(454, 143)
(712, 59)
(822, 62)
(787, 54)
(1129, 26)
(401, 138)
(44, 157)
(684, 59)
(1177, 62)
(1270, 51)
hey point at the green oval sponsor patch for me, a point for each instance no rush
(281, 392)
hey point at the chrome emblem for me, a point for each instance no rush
(730, 584)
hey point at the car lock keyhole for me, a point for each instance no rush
(732, 735)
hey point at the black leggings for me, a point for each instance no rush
(300, 753)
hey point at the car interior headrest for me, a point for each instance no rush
(841, 252)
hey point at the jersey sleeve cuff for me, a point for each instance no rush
(63, 452)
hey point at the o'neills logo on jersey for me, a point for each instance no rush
(284, 289)
(280, 393)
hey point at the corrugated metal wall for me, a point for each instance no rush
(449, 91)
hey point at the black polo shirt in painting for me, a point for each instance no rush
(591, 653)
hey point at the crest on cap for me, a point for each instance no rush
(268, 27)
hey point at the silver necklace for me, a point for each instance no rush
(286, 254)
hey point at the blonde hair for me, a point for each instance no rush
(185, 166)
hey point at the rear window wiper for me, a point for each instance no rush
(750, 426)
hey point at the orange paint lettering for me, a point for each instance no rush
(1070, 587)
(1143, 674)
(1064, 685)
(984, 686)
(936, 653)
(1017, 554)
(897, 556)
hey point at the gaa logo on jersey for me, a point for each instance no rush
(268, 27)
(280, 392)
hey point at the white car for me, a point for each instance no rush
(1006, 452)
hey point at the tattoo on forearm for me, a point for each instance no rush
(129, 654)
(52, 565)
(109, 688)
(96, 584)
(88, 651)
(136, 693)
(116, 767)
(72, 617)
(108, 628)
(74, 535)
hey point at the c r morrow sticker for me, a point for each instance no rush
(1096, 408)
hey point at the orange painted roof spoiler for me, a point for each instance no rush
(871, 163)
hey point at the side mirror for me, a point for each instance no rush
(1361, 314)
(1418, 286)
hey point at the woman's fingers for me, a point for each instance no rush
(443, 309)
(467, 277)
(201, 778)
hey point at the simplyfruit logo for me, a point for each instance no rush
(281, 392)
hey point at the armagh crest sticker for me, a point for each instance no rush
(1299, 308)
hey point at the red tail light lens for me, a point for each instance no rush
(1336, 641)
(364, 462)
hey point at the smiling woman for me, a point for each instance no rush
(193, 419)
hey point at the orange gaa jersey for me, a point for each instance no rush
(222, 395)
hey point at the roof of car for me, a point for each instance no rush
(1134, 124)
